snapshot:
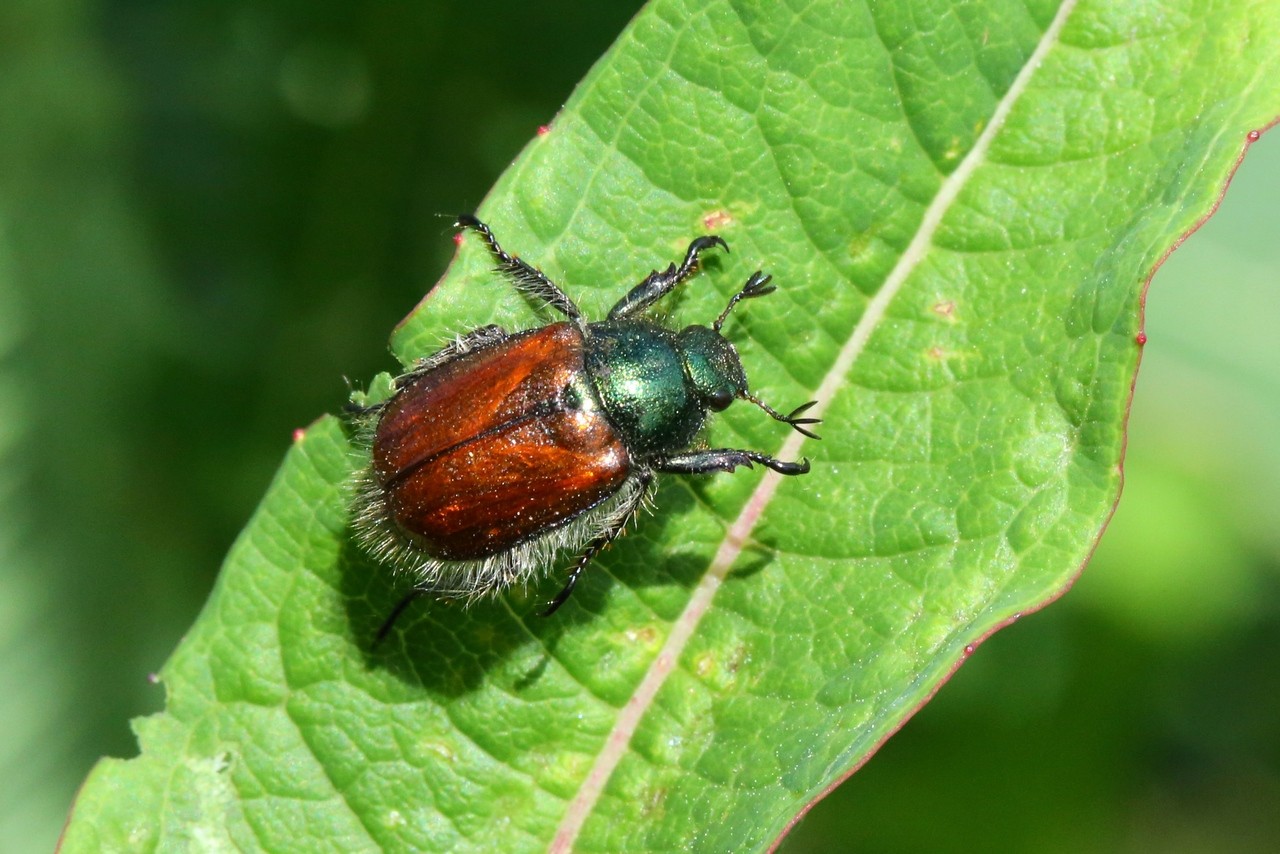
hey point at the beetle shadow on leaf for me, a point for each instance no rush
(755, 558)
(441, 645)
(452, 649)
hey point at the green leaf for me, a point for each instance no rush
(961, 205)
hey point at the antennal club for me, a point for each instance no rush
(756, 286)
(800, 425)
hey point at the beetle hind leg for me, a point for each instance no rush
(396, 612)
(476, 339)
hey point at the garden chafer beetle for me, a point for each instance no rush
(503, 449)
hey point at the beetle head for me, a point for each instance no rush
(713, 367)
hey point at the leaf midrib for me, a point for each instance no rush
(618, 740)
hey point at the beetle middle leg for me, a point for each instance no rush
(621, 516)
(725, 459)
(526, 279)
(657, 285)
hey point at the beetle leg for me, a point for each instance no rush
(757, 286)
(355, 410)
(725, 459)
(657, 285)
(565, 592)
(477, 339)
(620, 518)
(530, 281)
(385, 628)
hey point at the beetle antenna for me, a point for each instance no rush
(756, 286)
(793, 418)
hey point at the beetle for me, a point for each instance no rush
(502, 449)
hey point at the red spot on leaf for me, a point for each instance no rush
(716, 220)
(299, 434)
(1141, 338)
(543, 130)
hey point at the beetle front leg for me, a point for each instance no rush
(657, 285)
(725, 459)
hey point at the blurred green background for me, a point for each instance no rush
(211, 213)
